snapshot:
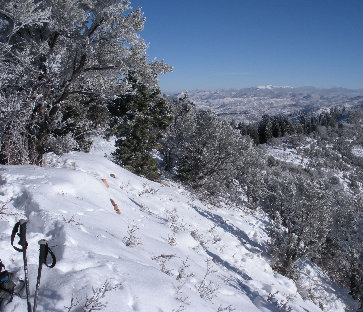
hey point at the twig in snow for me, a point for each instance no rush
(131, 240)
(207, 289)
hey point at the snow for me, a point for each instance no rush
(181, 255)
(287, 154)
(270, 87)
(357, 151)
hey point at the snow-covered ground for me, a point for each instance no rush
(357, 151)
(286, 154)
(165, 250)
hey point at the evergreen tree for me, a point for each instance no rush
(276, 127)
(265, 129)
(138, 120)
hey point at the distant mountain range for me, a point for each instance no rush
(250, 104)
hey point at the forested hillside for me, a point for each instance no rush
(250, 104)
(309, 181)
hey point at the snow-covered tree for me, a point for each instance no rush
(181, 128)
(205, 152)
(302, 209)
(342, 251)
(265, 129)
(53, 52)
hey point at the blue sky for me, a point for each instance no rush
(242, 43)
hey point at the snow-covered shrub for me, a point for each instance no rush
(131, 240)
(207, 288)
(208, 154)
(94, 302)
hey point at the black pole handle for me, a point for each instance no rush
(21, 228)
(42, 251)
(54, 260)
(43, 254)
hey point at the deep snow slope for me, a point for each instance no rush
(165, 251)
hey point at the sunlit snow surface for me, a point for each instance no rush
(67, 203)
(357, 151)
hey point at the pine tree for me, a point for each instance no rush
(265, 129)
(138, 120)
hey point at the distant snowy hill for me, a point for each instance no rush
(165, 251)
(251, 103)
(270, 87)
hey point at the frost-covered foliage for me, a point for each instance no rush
(55, 53)
(302, 208)
(313, 193)
(317, 202)
(206, 153)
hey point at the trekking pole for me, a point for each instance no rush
(21, 227)
(43, 253)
